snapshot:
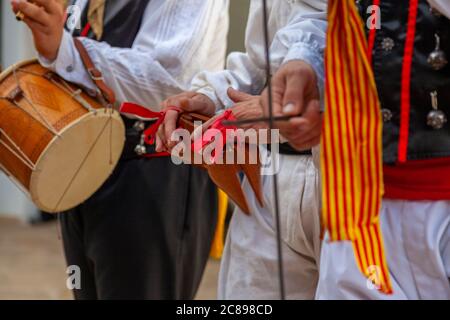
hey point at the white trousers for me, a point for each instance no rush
(417, 242)
(249, 268)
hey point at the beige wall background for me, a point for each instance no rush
(238, 21)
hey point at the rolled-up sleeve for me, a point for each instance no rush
(68, 64)
(173, 44)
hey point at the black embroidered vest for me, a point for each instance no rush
(423, 140)
(122, 21)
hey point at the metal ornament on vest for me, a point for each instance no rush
(437, 59)
(436, 118)
(410, 54)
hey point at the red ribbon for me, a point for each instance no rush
(147, 115)
(219, 135)
(86, 29)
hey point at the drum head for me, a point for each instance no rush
(76, 164)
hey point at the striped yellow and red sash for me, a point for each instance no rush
(352, 165)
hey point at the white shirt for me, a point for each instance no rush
(441, 5)
(177, 39)
(297, 32)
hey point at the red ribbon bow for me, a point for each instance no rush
(147, 115)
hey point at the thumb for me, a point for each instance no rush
(238, 96)
(293, 100)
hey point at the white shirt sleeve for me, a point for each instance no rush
(174, 42)
(443, 6)
(301, 37)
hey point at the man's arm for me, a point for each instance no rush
(173, 41)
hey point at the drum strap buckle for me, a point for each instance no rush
(95, 75)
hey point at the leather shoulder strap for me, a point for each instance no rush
(94, 73)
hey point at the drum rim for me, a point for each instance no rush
(10, 69)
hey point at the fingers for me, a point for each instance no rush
(311, 117)
(278, 89)
(305, 141)
(197, 104)
(176, 101)
(277, 100)
(34, 26)
(50, 6)
(238, 96)
(14, 6)
(304, 132)
(306, 145)
(293, 84)
(264, 101)
(159, 145)
(32, 12)
(191, 102)
(170, 125)
(188, 102)
(301, 85)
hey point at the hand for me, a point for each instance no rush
(187, 101)
(303, 133)
(295, 93)
(45, 18)
(246, 107)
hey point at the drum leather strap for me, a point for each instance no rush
(94, 73)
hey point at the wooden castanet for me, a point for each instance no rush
(57, 143)
(226, 176)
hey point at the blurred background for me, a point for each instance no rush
(32, 264)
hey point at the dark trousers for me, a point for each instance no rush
(146, 234)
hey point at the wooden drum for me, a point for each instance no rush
(57, 143)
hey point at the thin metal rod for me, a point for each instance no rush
(275, 177)
(256, 120)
